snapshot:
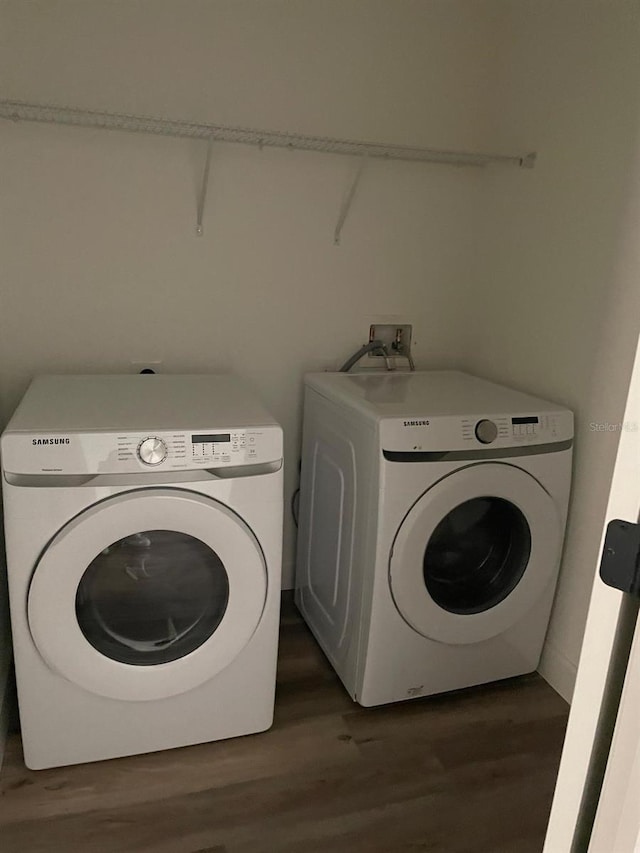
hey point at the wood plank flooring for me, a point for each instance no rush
(467, 772)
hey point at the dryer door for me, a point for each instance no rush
(475, 553)
(147, 594)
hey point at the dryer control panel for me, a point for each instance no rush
(126, 453)
(490, 431)
(522, 429)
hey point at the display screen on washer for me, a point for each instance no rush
(152, 597)
(477, 555)
(531, 420)
(203, 439)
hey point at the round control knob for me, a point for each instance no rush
(486, 431)
(152, 451)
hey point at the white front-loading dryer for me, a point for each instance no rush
(143, 520)
(432, 515)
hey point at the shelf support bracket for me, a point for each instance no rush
(202, 198)
(346, 205)
(528, 161)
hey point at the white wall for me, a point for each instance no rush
(544, 314)
(100, 262)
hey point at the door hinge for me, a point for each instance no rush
(620, 561)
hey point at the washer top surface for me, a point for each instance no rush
(424, 394)
(121, 403)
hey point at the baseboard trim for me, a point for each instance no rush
(558, 671)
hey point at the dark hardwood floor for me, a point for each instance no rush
(466, 772)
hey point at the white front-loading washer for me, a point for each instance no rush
(432, 515)
(143, 519)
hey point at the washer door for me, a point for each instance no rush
(147, 594)
(475, 553)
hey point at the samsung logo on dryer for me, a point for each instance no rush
(50, 441)
(416, 423)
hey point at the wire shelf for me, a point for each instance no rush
(21, 111)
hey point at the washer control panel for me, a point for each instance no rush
(226, 447)
(138, 452)
(152, 450)
(211, 449)
(160, 450)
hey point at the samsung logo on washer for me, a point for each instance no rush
(416, 423)
(50, 441)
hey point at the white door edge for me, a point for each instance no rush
(597, 646)
(617, 822)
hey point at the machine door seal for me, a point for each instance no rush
(475, 553)
(147, 594)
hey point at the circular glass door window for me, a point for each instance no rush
(477, 555)
(152, 597)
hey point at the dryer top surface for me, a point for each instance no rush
(132, 403)
(424, 394)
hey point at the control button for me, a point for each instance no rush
(152, 451)
(486, 431)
